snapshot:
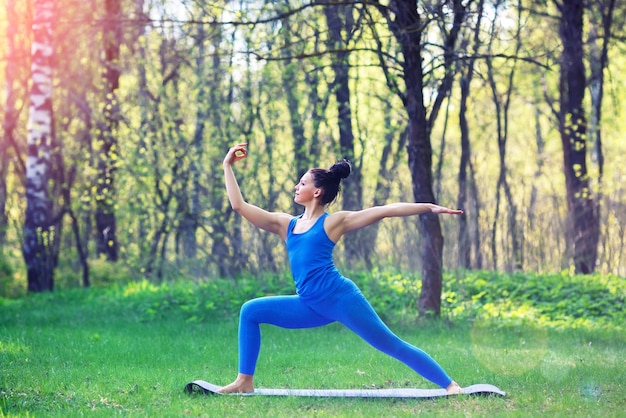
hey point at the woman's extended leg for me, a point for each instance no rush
(282, 311)
(356, 313)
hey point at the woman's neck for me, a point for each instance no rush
(312, 212)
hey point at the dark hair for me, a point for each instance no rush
(329, 180)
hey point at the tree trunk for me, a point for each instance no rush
(10, 116)
(302, 153)
(106, 238)
(191, 199)
(465, 248)
(598, 57)
(407, 27)
(420, 160)
(340, 22)
(306, 151)
(582, 225)
(146, 129)
(502, 101)
(394, 144)
(465, 243)
(474, 223)
(227, 246)
(39, 235)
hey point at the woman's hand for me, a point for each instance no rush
(440, 209)
(236, 153)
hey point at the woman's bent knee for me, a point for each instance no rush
(249, 308)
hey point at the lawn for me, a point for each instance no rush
(89, 352)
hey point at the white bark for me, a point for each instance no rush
(38, 233)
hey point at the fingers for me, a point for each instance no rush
(454, 212)
(236, 153)
(240, 151)
(239, 147)
(448, 211)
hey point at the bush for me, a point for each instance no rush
(558, 299)
(554, 297)
(6, 276)
(12, 278)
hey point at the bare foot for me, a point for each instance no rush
(454, 389)
(243, 384)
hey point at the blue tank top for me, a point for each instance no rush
(311, 259)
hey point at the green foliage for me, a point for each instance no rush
(556, 298)
(9, 286)
(560, 300)
(189, 301)
(392, 294)
(6, 275)
(103, 273)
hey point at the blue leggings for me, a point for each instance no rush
(351, 309)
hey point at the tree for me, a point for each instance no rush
(11, 111)
(601, 33)
(394, 144)
(221, 88)
(107, 149)
(582, 225)
(40, 233)
(189, 199)
(340, 21)
(465, 162)
(501, 97)
(295, 34)
(408, 26)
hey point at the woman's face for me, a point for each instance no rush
(306, 190)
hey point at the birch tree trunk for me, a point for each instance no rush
(39, 234)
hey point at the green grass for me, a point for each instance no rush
(96, 352)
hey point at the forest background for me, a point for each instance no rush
(117, 115)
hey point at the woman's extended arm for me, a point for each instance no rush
(269, 221)
(345, 221)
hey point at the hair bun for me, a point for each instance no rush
(341, 169)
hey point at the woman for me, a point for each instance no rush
(323, 295)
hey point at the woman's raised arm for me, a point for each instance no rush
(269, 221)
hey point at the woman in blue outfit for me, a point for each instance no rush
(323, 294)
